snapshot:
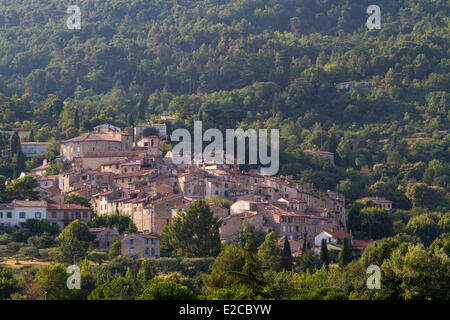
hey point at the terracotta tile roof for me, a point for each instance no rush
(43, 167)
(142, 235)
(95, 230)
(25, 203)
(106, 154)
(65, 206)
(339, 234)
(361, 243)
(377, 199)
(92, 136)
(135, 174)
(34, 143)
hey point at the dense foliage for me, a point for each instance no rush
(250, 64)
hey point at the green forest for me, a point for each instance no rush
(259, 64)
(263, 64)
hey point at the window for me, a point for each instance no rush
(1, 215)
(284, 228)
(131, 251)
(130, 241)
(153, 241)
(85, 214)
(153, 251)
(9, 215)
(53, 214)
(22, 215)
(146, 241)
(38, 215)
(146, 251)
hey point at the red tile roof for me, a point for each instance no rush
(95, 230)
(135, 174)
(71, 206)
(91, 136)
(339, 234)
(107, 154)
(34, 143)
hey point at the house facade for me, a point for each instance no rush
(140, 246)
(104, 138)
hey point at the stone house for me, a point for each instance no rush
(141, 245)
(64, 214)
(158, 213)
(33, 148)
(381, 203)
(104, 237)
(104, 138)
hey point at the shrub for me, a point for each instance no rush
(31, 252)
(166, 289)
(167, 265)
(193, 266)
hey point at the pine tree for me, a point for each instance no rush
(145, 274)
(251, 274)
(346, 255)
(324, 252)
(76, 121)
(286, 262)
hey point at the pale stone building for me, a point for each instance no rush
(140, 246)
(104, 138)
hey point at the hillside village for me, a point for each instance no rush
(129, 174)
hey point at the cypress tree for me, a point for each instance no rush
(76, 121)
(19, 163)
(31, 137)
(346, 255)
(324, 252)
(130, 120)
(13, 146)
(286, 263)
(305, 247)
(141, 109)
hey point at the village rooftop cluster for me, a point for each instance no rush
(129, 174)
